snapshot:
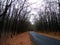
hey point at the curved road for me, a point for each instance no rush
(38, 39)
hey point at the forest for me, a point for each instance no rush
(15, 16)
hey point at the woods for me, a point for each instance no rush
(15, 16)
(50, 18)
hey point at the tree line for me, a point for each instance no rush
(49, 19)
(13, 16)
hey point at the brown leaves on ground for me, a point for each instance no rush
(55, 35)
(19, 39)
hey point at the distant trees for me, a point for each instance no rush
(50, 18)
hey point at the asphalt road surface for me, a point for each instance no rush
(38, 39)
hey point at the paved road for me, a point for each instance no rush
(38, 39)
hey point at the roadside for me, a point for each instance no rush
(55, 35)
(19, 39)
(24, 38)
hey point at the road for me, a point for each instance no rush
(38, 39)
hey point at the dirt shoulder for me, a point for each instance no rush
(19, 39)
(55, 35)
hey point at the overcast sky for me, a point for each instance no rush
(36, 5)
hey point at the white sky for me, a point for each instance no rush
(36, 5)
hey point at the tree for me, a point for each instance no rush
(14, 16)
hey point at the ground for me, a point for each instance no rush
(24, 38)
(20, 39)
(55, 35)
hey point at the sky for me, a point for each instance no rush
(36, 5)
